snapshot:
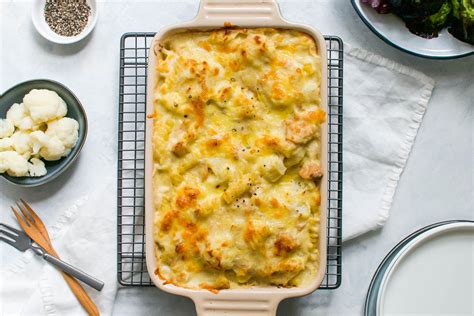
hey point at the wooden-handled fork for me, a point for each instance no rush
(36, 230)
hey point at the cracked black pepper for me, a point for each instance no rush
(67, 17)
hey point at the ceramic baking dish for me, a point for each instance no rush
(257, 300)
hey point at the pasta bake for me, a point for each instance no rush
(236, 151)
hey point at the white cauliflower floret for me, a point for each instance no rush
(22, 143)
(6, 144)
(66, 129)
(6, 128)
(44, 105)
(36, 168)
(27, 124)
(38, 139)
(50, 147)
(20, 117)
(17, 113)
(13, 164)
(222, 170)
(53, 149)
(272, 168)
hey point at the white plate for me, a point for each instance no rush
(37, 16)
(432, 275)
(392, 30)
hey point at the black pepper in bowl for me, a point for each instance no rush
(67, 17)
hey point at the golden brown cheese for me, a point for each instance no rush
(236, 175)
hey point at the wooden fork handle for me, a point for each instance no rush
(77, 289)
(81, 295)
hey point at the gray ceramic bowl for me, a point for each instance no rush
(74, 110)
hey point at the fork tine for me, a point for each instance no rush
(8, 227)
(35, 219)
(22, 223)
(33, 232)
(8, 241)
(26, 214)
(27, 206)
(9, 234)
(32, 213)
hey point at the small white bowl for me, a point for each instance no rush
(42, 27)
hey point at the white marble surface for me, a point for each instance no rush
(436, 185)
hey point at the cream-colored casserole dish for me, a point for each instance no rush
(254, 300)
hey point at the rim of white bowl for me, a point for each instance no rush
(42, 27)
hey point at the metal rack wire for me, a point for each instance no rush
(131, 161)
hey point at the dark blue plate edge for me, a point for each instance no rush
(81, 143)
(386, 40)
(373, 288)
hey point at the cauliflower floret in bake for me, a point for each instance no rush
(304, 126)
(36, 168)
(221, 93)
(65, 129)
(295, 158)
(22, 143)
(6, 144)
(313, 150)
(311, 170)
(181, 137)
(13, 164)
(237, 187)
(172, 101)
(44, 105)
(222, 170)
(299, 131)
(6, 128)
(272, 168)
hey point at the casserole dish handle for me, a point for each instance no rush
(237, 12)
(245, 304)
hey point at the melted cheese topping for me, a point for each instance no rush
(236, 158)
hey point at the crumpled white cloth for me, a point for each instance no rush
(384, 104)
(84, 236)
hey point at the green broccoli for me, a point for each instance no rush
(462, 20)
(431, 25)
(410, 10)
(426, 18)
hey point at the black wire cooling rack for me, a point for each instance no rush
(131, 161)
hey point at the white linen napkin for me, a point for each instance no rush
(84, 236)
(384, 104)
